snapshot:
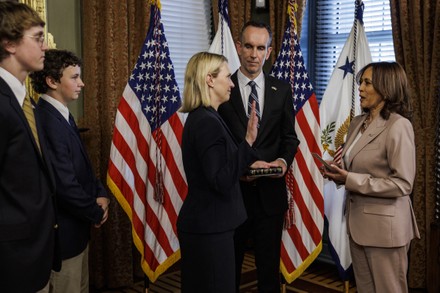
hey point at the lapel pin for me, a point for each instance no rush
(274, 88)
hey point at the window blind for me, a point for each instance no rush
(187, 25)
(333, 20)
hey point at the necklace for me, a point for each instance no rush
(366, 123)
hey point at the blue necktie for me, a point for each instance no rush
(73, 124)
(254, 97)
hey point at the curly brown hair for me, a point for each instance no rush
(55, 61)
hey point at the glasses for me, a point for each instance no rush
(40, 39)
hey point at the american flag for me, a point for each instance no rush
(302, 238)
(145, 171)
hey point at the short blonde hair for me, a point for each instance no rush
(196, 91)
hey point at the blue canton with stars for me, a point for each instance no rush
(347, 67)
(153, 80)
(290, 67)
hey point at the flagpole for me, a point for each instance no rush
(146, 283)
(283, 284)
(353, 87)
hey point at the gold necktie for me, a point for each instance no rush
(29, 113)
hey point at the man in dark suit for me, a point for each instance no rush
(27, 186)
(81, 198)
(265, 198)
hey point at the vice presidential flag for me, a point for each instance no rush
(145, 171)
(339, 105)
(302, 238)
(223, 42)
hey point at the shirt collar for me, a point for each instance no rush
(58, 105)
(18, 88)
(244, 80)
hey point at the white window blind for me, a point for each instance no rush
(334, 20)
(187, 25)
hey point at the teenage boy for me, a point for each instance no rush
(27, 185)
(81, 198)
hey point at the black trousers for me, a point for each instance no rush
(265, 232)
(207, 262)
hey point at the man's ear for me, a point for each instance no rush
(9, 46)
(269, 50)
(51, 82)
(238, 47)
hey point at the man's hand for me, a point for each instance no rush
(279, 163)
(103, 202)
(255, 165)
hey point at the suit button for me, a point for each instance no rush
(55, 226)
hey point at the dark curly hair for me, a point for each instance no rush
(390, 81)
(55, 62)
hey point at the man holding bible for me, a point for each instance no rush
(265, 197)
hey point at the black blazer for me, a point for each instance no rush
(27, 215)
(276, 138)
(77, 186)
(213, 163)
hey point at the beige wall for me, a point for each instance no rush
(64, 23)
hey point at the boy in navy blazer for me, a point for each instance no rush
(81, 198)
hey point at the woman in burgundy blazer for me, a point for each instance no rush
(378, 172)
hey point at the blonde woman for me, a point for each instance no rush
(213, 163)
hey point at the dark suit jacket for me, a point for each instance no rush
(77, 186)
(276, 138)
(27, 214)
(213, 163)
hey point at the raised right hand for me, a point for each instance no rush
(252, 127)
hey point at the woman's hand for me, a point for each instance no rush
(252, 127)
(336, 174)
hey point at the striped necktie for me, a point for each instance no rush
(29, 113)
(254, 97)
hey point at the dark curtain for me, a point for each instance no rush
(113, 32)
(239, 14)
(278, 20)
(416, 33)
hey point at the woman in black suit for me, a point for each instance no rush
(213, 163)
